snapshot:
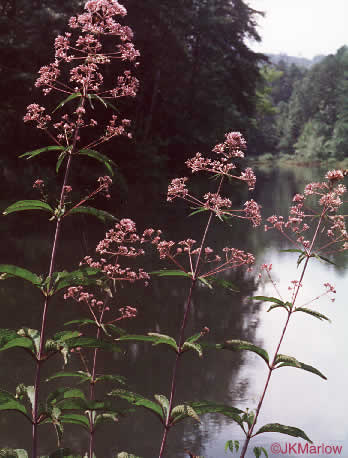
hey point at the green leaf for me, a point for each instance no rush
(194, 338)
(314, 313)
(269, 299)
(229, 445)
(171, 273)
(153, 337)
(164, 403)
(259, 450)
(109, 163)
(9, 402)
(126, 455)
(11, 339)
(203, 407)
(68, 99)
(76, 419)
(278, 428)
(83, 322)
(92, 342)
(28, 205)
(289, 361)
(15, 271)
(106, 417)
(28, 392)
(237, 345)
(81, 375)
(63, 393)
(141, 401)
(292, 250)
(111, 378)
(31, 154)
(84, 276)
(200, 210)
(322, 258)
(193, 346)
(60, 160)
(110, 329)
(13, 453)
(183, 411)
(33, 335)
(223, 283)
(301, 258)
(104, 216)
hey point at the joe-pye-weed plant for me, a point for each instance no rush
(81, 73)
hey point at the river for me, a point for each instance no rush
(295, 398)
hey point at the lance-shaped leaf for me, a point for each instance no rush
(278, 428)
(14, 271)
(164, 403)
(92, 342)
(26, 392)
(199, 210)
(33, 335)
(60, 160)
(314, 313)
(111, 378)
(229, 445)
(153, 337)
(221, 282)
(291, 250)
(109, 163)
(63, 393)
(10, 402)
(322, 258)
(76, 419)
(83, 376)
(183, 411)
(237, 345)
(81, 277)
(82, 322)
(171, 273)
(13, 453)
(140, 401)
(68, 99)
(106, 103)
(290, 361)
(204, 407)
(36, 152)
(193, 346)
(275, 300)
(28, 205)
(106, 417)
(126, 455)
(102, 215)
(11, 339)
(258, 451)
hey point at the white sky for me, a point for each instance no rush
(301, 27)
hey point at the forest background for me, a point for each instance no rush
(198, 79)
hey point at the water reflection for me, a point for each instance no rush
(296, 397)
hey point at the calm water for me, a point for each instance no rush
(295, 398)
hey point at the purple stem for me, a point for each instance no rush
(271, 367)
(182, 330)
(40, 357)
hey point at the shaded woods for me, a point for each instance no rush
(197, 75)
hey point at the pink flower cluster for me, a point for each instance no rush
(121, 241)
(83, 60)
(329, 198)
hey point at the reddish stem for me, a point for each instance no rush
(271, 367)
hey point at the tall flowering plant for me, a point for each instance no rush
(201, 264)
(315, 229)
(96, 41)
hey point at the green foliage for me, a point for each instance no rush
(314, 313)
(109, 163)
(258, 451)
(104, 216)
(13, 453)
(230, 444)
(290, 361)
(289, 430)
(237, 345)
(22, 205)
(153, 337)
(36, 152)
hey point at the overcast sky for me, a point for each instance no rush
(302, 27)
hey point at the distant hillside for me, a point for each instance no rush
(299, 61)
